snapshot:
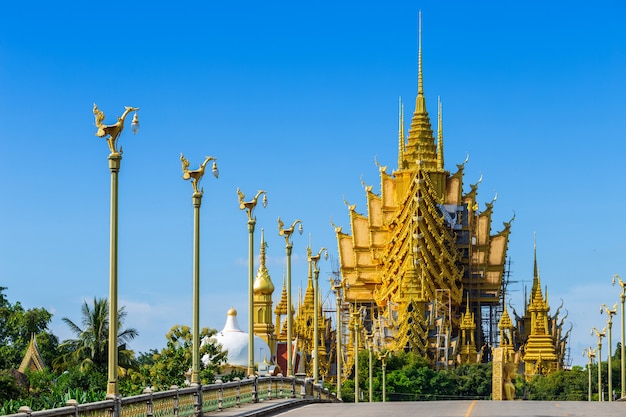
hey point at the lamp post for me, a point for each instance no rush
(600, 335)
(111, 133)
(609, 324)
(249, 207)
(591, 353)
(337, 286)
(370, 342)
(314, 259)
(356, 316)
(622, 298)
(196, 198)
(288, 247)
(383, 360)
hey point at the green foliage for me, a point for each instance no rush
(8, 387)
(171, 366)
(473, 380)
(232, 375)
(347, 391)
(409, 377)
(16, 327)
(53, 387)
(89, 351)
(561, 385)
(50, 390)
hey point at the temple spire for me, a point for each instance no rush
(439, 135)
(401, 143)
(263, 282)
(420, 150)
(420, 105)
(420, 89)
(535, 268)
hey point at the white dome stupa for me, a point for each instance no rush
(235, 342)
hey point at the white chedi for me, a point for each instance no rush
(235, 342)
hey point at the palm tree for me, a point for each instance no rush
(89, 349)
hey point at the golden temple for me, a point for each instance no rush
(420, 271)
(424, 252)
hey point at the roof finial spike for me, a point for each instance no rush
(439, 135)
(401, 143)
(536, 274)
(535, 255)
(420, 86)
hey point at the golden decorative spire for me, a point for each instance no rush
(420, 81)
(467, 322)
(401, 143)
(263, 283)
(309, 292)
(536, 279)
(421, 151)
(439, 136)
(505, 320)
(281, 307)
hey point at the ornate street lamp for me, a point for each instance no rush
(195, 176)
(249, 207)
(288, 247)
(313, 260)
(111, 133)
(356, 316)
(370, 343)
(337, 287)
(622, 298)
(383, 360)
(590, 353)
(609, 324)
(600, 335)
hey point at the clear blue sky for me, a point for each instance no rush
(298, 99)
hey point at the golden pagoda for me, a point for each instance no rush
(539, 336)
(423, 250)
(468, 353)
(279, 312)
(263, 289)
(304, 329)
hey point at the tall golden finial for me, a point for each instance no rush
(420, 101)
(401, 143)
(535, 267)
(439, 135)
(420, 83)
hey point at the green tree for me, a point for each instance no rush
(8, 387)
(410, 378)
(89, 350)
(16, 327)
(172, 365)
(473, 381)
(562, 385)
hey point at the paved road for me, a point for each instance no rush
(462, 409)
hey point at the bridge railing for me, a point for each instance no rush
(191, 401)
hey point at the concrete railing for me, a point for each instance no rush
(191, 401)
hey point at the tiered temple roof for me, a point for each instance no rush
(424, 249)
(32, 361)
